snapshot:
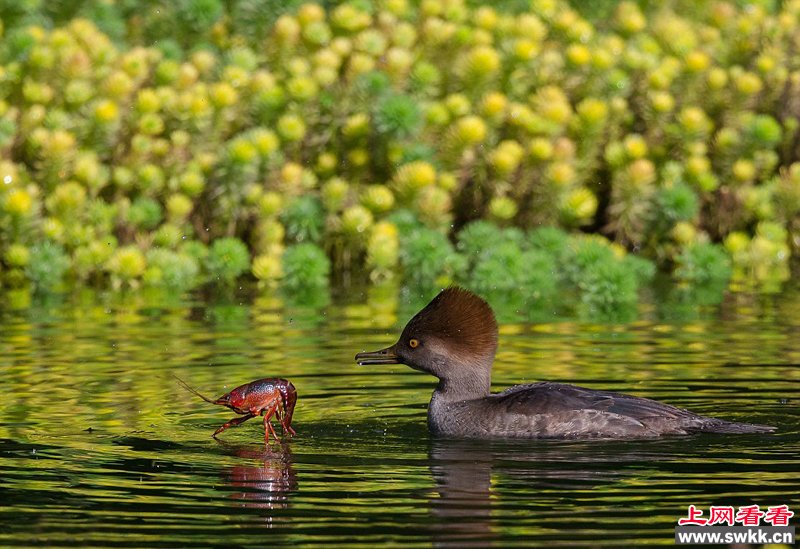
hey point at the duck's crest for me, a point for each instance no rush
(460, 318)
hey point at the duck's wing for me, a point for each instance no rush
(547, 398)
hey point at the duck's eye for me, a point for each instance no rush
(413, 343)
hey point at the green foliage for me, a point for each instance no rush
(405, 221)
(704, 264)
(397, 116)
(198, 15)
(174, 271)
(46, 266)
(428, 258)
(306, 269)
(763, 131)
(372, 130)
(227, 259)
(303, 218)
(608, 288)
(481, 236)
(677, 202)
(642, 269)
(551, 240)
(145, 213)
(507, 272)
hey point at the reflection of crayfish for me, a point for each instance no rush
(268, 397)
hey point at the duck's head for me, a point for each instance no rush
(454, 338)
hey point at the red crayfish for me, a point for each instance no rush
(268, 397)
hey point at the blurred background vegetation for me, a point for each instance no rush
(561, 152)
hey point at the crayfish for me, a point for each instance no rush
(268, 397)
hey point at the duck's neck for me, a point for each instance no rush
(470, 381)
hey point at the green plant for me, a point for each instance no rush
(46, 266)
(306, 269)
(227, 259)
(428, 259)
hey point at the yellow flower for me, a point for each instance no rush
(265, 141)
(204, 61)
(414, 175)
(482, 62)
(578, 55)
(106, 111)
(560, 173)
(470, 130)
(127, 263)
(748, 83)
(505, 158)
(684, 233)
(502, 207)
(383, 246)
(540, 149)
(118, 85)
(18, 202)
(291, 127)
(493, 104)
(178, 206)
(17, 255)
(53, 229)
(377, 198)
(697, 61)
(148, 101)
(267, 267)
(356, 220)
(580, 205)
(635, 146)
(223, 95)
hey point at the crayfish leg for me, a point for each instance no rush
(232, 423)
(268, 428)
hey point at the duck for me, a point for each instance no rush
(455, 337)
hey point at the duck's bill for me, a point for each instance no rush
(384, 356)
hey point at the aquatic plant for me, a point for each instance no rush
(385, 133)
(45, 265)
(227, 259)
(173, 271)
(303, 219)
(306, 269)
(703, 264)
(428, 259)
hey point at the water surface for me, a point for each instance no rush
(101, 447)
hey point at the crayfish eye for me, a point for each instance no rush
(413, 343)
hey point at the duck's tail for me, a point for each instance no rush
(732, 427)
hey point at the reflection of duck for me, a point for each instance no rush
(267, 485)
(455, 338)
(463, 508)
(466, 498)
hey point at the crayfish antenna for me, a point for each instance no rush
(194, 391)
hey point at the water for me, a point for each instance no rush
(100, 446)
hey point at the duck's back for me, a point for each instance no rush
(557, 410)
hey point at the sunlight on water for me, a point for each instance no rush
(99, 443)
